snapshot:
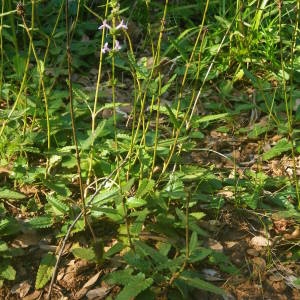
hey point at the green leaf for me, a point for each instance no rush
(193, 242)
(59, 187)
(7, 271)
(45, 270)
(138, 224)
(211, 118)
(101, 130)
(58, 205)
(9, 226)
(135, 286)
(134, 202)
(41, 222)
(119, 277)
(111, 213)
(173, 118)
(84, 253)
(3, 246)
(105, 197)
(190, 279)
(175, 188)
(118, 247)
(198, 215)
(199, 254)
(145, 186)
(146, 250)
(282, 146)
(168, 84)
(12, 195)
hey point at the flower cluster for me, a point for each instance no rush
(117, 45)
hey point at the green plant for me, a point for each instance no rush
(112, 117)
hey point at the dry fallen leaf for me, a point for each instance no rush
(98, 294)
(33, 296)
(260, 241)
(215, 245)
(82, 292)
(21, 289)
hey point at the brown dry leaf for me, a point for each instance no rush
(21, 289)
(259, 267)
(280, 225)
(215, 245)
(82, 292)
(33, 296)
(294, 235)
(28, 189)
(4, 170)
(98, 294)
(260, 241)
(225, 193)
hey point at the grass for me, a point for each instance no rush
(149, 125)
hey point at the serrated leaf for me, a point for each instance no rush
(9, 226)
(134, 202)
(111, 213)
(101, 130)
(145, 186)
(200, 284)
(167, 85)
(119, 277)
(175, 188)
(138, 224)
(45, 270)
(199, 254)
(135, 286)
(41, 222)
(58, 205)
(105, 197)
(282, 146)
(84, 253)
(146, 250)
(7, 271)
(59, 187)
(12, 195)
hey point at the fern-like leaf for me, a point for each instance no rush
(58, 205)
(45, 270)
(146, 186)
(41, 222)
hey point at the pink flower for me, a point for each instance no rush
(117, 46)
(104, 25)
(122, 25)
(105, 48)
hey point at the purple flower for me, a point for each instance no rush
(117, 46)
(104, 25)
(105, 48)
(122, 25)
